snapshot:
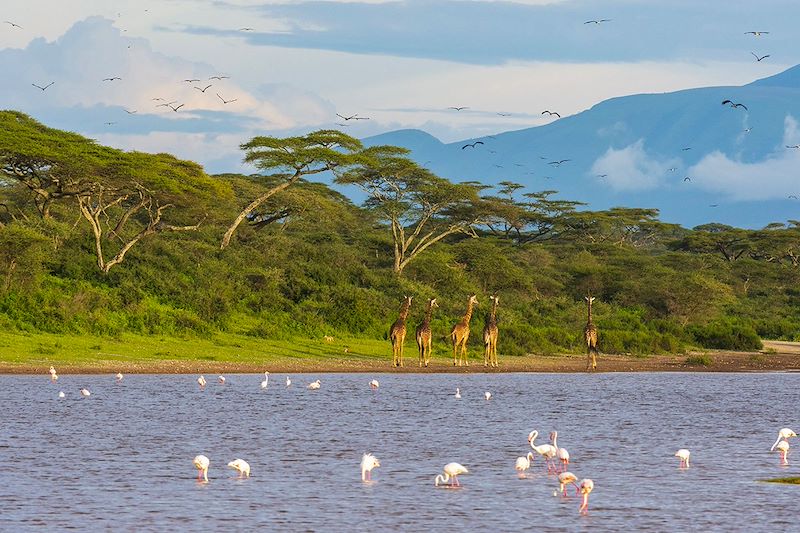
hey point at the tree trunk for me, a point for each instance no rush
(226, 239)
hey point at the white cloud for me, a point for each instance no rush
(631, 168)
(772, 178)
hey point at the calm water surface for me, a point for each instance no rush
(122, 459)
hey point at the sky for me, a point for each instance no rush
(291, 66)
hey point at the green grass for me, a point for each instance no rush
(44, 349)
(784, 480)
(699, 360)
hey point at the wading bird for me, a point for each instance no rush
(221, 380)
(586, 487)
(561, 453)
(450, 476)
(523, 463)
(288, 382)
(374, 384)
(683, 454)
(368, 462)
(783, 447)
(201, 463)
(85, 392)
(472, 145)
(315, 385)
(61, 394)
(241, 466)
(567, 478)
(547, 451)
(784, 433)
(458, 393)
(487, 395)
(201, 381)
(119, 377)
(265, 383)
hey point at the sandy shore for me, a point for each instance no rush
(777, 356)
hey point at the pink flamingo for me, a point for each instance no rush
(586, 487)
(566, 478)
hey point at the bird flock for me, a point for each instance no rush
(556, 459)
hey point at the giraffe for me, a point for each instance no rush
(425, 336)
(590, 335)
(490, 335)
(460, 334)
(398, 332)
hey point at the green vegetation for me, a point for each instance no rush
(699, 360)
(784, 480)
(124, 245)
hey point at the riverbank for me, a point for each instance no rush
(130, 354)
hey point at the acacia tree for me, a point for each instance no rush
(123, 196)
(289, 159)
(420, 207)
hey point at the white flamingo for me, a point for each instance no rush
(266, 380)
(52, 370)
(288, 382)
(201, 463)
(458, 393)
(201, 381)
(368, 462)
(566, 478)
(241, 466)
(547, 451)
(586, 487)
(487, 395)
(683, 454)
(315, 385)
(561, 453)
(784, 433)
(85, 393)
(374, 384)
(523, 463)
(450, 476)
(119, 377)
(221, 380)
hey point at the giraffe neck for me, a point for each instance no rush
(404, 310)
(493, 312)
(468, 314)
(428, 314)
(589, 318)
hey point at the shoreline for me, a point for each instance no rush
(781, 357)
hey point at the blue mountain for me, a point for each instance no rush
(638, 150)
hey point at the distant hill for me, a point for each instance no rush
(647, 144)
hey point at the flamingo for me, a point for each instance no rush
(221, 380)
(487, 395)
(201, 463)
(523, 463)
(545, 450)
(61, 394)
(564, 479)
(586, 487)
(202, 382)
(561, 453)
(368, 462)
(85, 393)
(241, 466)
(783, 447)
(451, 470)
(288, 382)
(784, 433)
(683, 454)
(119, 377)
(374, 384)
(266, 380)
(53, 375)
(458, 393)
(315, 385)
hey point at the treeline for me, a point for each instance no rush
(97, 240)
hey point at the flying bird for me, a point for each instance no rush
(351, 117)
(559, 162)
(43, 88)
(12, 24)
(226, 101)
(795, 146)
(687, 178)
(109, 123)
(342, 124)
(176, 108)
(713, 205)
(191, 80)
(131, 112)
(218, 78)
(602, 175)
(685, 149)
(504, 114)
(115, 78)
(756, 33)
(167, 104)
(458, 108)
(472, 145)
(734, 104)
(246, 29)
(550, 113)
(759, 58)
(597, 21)
(792, 197)
(204, 89)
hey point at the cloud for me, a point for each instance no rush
(774, 177)
(631, 168)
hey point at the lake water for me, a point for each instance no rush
(122, 458)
